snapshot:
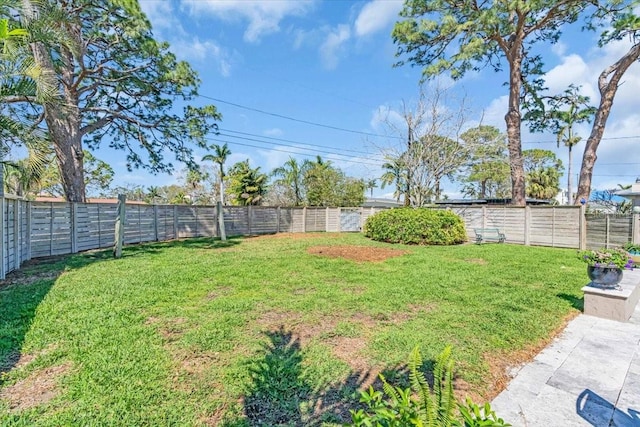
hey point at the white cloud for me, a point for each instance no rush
(273, 132)
(331, 49)
(196, 50)
(161, 15)
(559, 49)
(572, 70)
(263, 17)
(377, 15)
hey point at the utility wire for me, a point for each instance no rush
(281, 116)
(343, 159)
(368, 133)
(291, 141)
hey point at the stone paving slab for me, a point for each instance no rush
(588, 376)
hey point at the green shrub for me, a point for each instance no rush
(416, 226)
(422, 405)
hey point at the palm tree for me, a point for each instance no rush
(543, 183)
(219, 157)
(153, 193)
(248, 184)
(21, 77)
(370, 184)
(395, 173)
(291, 176)
(564, 121)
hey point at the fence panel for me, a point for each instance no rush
(316, 219)
(608, 230)
(285, 222)
(297, 220)
(333, 220)
(264, 220)
(236, 220)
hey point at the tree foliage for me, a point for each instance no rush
(543, 170)
(457, 37)
(328, 186)
(560, 113)
(247, 185)
(487, 172)
(219, 157)
(115, 85)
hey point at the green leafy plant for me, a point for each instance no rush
(421, 405)
(606, 258)
(631, 247)
(416, 226)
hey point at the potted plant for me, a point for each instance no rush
(633, 249)
(605, 266)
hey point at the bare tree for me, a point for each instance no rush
(431, 148)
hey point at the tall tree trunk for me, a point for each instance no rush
(513, 120)
(62, 116)
(608, 85)
(569, 173)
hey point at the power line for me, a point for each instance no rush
(281, 116)
(347, 159)
(371, 133)
(291, 141)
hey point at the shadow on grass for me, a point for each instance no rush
(20, 295)
(281, 394)
(202, 243)
(23, 290)
(577, 303)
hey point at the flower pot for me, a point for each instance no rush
(635, 256)
(604, 277)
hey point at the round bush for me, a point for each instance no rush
(416, 226)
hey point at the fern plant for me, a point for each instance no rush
(420, 405)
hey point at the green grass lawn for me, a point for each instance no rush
(260, 332)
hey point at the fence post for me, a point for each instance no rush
(120, 219)
(175, 222)
(326, 220)
(74, 226)
(635, 228)
(249, 218)
(606, 230)
(28, 230)
(16, 233)
(155, 223)
(304, 219)
(50, 228)
(527, 225)
(553, 226)
(583, 227)
(278, 219)
(339, 220)
(484, 217)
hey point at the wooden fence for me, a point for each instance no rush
(37, 229)
(40, 229)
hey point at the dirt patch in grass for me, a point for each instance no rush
(27, 278)
(503, 365)
(35, 390)
(478, 261)
(171, 329)
(218, 292)
(356, 253)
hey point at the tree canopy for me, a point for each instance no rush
(115, 85)
(457, 37)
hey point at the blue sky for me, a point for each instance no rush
(330, 62)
